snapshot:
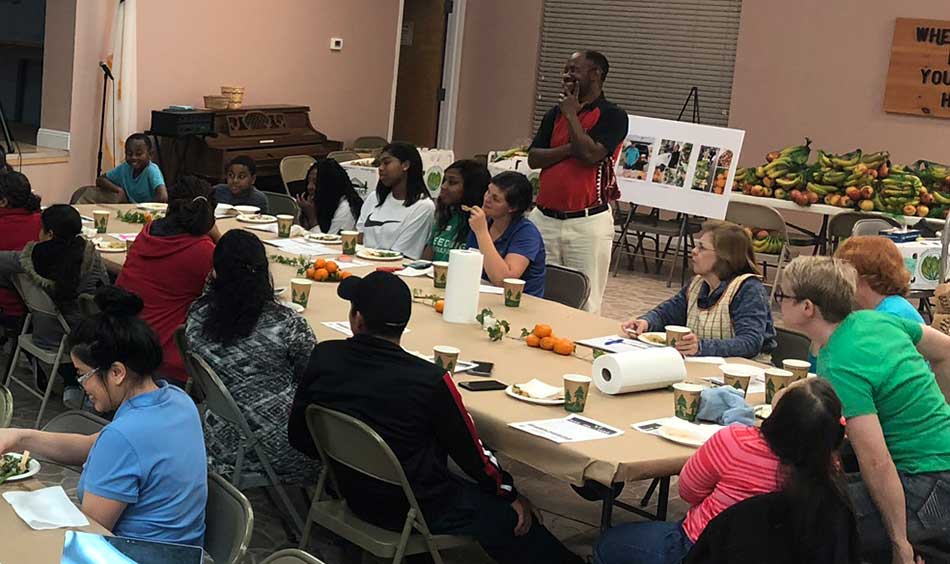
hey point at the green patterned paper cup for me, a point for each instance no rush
(686, 400)
(675, 333)
(101, 219)
(513, 290)
(440, 272)
(576, 388)
(446, 357)
(349, 241)
(775, 380)
(285, 224)
(300, 291)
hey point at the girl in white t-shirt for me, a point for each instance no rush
(329, 204)
(399, 215)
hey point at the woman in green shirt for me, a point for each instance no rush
(898, 421)
(464, 184)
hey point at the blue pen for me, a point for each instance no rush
(613, 342)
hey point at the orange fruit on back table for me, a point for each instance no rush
(564, 346)
(331, 267)
(321, 274)
(533, 340)
(320, 263)
(440, 306)
(541, 330)
(344, 274)
(547, 343)
(311, 273)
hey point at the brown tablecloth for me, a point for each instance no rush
(21, 544)
(632, 456)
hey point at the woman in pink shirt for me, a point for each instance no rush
(796, 450)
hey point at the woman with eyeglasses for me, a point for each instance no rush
(726, 304)
(145, 473)
(883, 368)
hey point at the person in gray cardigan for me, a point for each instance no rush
(64, 265)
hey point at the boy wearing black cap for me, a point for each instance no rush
(416, 409)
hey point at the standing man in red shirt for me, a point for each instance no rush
(575, 146)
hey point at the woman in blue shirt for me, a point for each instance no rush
(883, 280)
(511, 244)
(145, 473)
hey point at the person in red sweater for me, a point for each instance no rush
(795, 451)
(19, 224)
(168, 264)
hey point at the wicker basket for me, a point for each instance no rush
(235, 95)
(215, 102)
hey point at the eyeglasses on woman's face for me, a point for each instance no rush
(781, 296)
(86, 376)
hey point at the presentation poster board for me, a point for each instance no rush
(678, 166)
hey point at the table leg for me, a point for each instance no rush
(606, 510)
(823, 235)
(663, 499)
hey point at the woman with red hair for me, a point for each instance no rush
(883, 280)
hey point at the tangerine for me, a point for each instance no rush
(320, 263)
(541, 330)
(547, 343)
(344, 274)
(331, 267)
(440, 306)
(564, 346)
(311, 273)
(321, 274)
(533, 340)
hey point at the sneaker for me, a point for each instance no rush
(72, 397)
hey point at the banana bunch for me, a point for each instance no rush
(767, 242)
(903, 192)
(784, 171)
(936, 182)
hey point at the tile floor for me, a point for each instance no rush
(571, 518)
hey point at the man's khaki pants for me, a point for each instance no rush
(582, 243)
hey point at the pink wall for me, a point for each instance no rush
(821, 73)
(498, 74)
(280, 53)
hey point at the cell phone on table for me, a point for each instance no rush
(481, 368)
(482, 385)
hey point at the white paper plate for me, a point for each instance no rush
(104, 249)
(256, 218)
(32, 468)
(681, 436)
(279, 290)
(511, 393)
(644, 339)
(153, 206)
(368, 254)
(296, 307)
(325, 239)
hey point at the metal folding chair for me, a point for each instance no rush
(229, 521)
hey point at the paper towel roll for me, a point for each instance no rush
(461, 286)
(635, 371)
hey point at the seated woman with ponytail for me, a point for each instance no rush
(795, 451)
(144, 474)
(64, 265)
(19, 224)
(169, 263)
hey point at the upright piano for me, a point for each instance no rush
(265, 133)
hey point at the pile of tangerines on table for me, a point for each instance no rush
(326, 271)
(542, 336)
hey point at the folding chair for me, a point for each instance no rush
(38, 303)
(649, 227)
(872, 226)
(78, 422)
(181, 341)
(566, 286)
(342, 439)
(6, 407)
(368, 144)
(344, 156)
(294, 169)
(790, 344)
(219, 401)
(229, 521)
(756, 216)
(292, 556)
(281, 204)
(841, 225)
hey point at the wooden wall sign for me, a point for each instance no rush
(918, 80)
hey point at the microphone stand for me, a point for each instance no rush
(7, 135)
(106, 77)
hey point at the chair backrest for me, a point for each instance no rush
(76, 421)
(872, 226)
(757, 216)
(841, 225)
(791, 344)
(368, 143)
(281, 204)
(566, 286)
(217, 397)
(294, 168)
(6, 407)
(292, 556)
(343, 156)
(36, 299)
(229, 521)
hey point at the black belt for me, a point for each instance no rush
(575, 214)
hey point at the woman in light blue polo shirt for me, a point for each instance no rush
(145, 474)
(511, 244)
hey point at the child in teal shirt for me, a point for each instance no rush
(138, 179)
(464, 184)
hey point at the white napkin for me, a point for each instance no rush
(413, 272)
(537, 389)
(295, 231)
(48, 508)
(486, 289)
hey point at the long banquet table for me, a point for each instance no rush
(626, 458)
